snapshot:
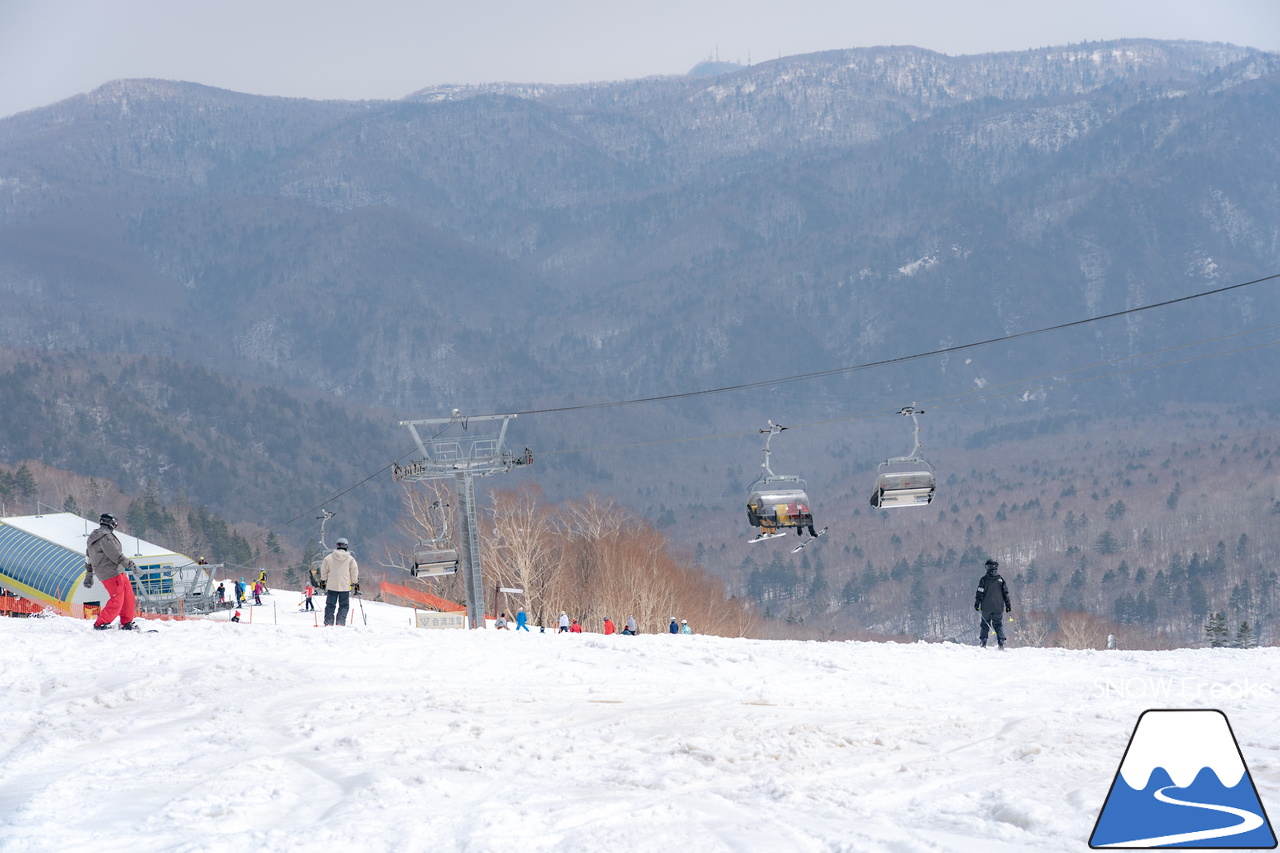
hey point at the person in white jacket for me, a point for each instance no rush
(339, 573)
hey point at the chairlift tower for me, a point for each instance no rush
(463, 458)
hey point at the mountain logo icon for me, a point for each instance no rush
(1183, 783)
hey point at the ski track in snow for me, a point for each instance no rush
(210, 736)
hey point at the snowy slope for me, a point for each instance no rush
(277, 735)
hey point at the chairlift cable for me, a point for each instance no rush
(934, 402)
(350, 488)
(818, 374)
(942, 402)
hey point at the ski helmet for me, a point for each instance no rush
(341, 543)
(992, 564)
(109, 520)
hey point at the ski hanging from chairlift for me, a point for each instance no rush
(905, 480)
(776, 501)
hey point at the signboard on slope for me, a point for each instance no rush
(431, 619)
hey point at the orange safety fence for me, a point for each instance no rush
(12, 605)
(425, 598)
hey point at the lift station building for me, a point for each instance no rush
(42, 559)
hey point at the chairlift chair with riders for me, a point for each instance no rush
(775, 501)
(905, 480)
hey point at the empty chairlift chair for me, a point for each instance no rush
(905, 480)
(437, 556)
(434, 557)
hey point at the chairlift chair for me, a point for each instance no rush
(436, 557)
(777, 501)
(905, 480)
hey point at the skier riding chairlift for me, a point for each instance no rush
(778, 501)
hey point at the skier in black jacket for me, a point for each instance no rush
(988, 603)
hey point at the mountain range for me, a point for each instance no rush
(519, 247)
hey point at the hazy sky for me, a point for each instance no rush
(52, 49)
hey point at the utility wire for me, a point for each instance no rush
(818, 374)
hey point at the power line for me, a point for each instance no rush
(818, 374)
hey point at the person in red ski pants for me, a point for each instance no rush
(105, 559)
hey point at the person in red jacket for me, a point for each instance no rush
(575, 628)
(608, 625)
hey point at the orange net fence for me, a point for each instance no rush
(420, 597)
(12, 605)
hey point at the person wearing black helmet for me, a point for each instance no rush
(992, 602)
(105, 560)
(339, 573)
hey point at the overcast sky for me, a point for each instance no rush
(52, 49)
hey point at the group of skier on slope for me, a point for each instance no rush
(340, 576)
(572, 626)
(105, 560)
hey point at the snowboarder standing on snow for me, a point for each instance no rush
(992, 597)
(338, 573)
(630, 629)
(673, 627)
(564, 622)
(684, 627)
(222, 593)
(522, 620)
(608, 625)
(105, 559)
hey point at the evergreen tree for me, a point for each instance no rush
(1106, 543)
(852, 593)
(24, 482)
(1215, 630)
(1245, 638)
(1198, 600)
(70, 505)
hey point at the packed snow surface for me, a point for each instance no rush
(277, 735)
